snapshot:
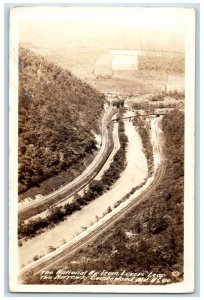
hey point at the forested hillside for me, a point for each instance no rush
(58, 116)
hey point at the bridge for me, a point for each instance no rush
(136, 116)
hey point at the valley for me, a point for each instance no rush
(90, 156)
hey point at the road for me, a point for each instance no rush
(81, 180)
(51, 259)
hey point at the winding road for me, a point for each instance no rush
(50, 260)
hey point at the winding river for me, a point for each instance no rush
(133, 175)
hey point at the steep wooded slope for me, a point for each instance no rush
(58, 116)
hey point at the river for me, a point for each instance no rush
(133, 175)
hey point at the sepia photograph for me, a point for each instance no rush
(101, 166)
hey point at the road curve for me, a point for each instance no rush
(80, 181)
(46, 263)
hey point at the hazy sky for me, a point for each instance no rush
(54, 26)
(166, 19)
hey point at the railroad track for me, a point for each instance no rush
(81, 181)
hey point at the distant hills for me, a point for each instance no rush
(77, 45)
(94, 66)
(58, 116)
(52, 34)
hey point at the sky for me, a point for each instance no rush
(96, 27)
(165, 19)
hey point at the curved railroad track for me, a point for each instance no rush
(82, 180)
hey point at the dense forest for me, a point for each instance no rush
(150, 238)
(56, 138)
